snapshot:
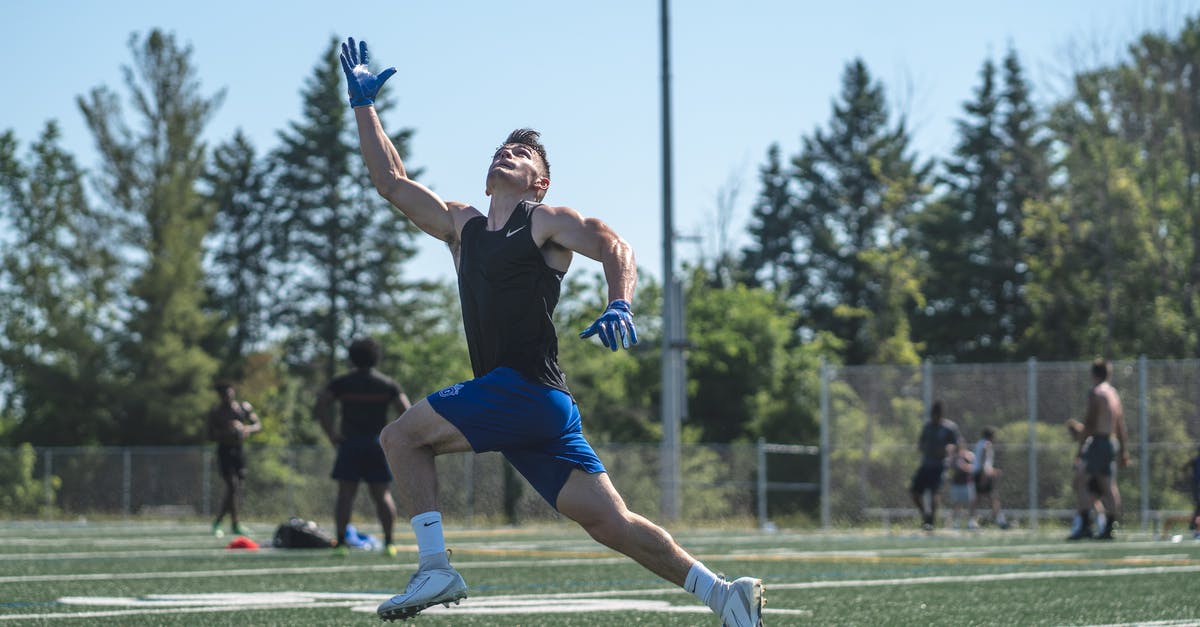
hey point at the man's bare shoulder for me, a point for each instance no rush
(458, 209)
(555, 210)
(460, 214)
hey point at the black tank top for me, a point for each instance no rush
(508, 296)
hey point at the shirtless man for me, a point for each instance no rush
(1103, 444)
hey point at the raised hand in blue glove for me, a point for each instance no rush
(360, 82)
(615, 321)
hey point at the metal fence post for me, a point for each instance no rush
(1143, 441)
(927, 386)
(761, 484)
(47, 481)
(127, 481)
(1032, 392)
(826, 506)
(206, 482)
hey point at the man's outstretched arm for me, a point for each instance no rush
(414, 200)
(593, 238)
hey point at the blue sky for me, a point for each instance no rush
(744, 74)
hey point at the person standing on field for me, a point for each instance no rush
(230, 422)
(1104, 447)
(510, 262)
(938, 443)
(368, 400)
(984, 472)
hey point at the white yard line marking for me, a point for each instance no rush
(233, 601)
(1024, 576)
(301, 570)
(598, 601)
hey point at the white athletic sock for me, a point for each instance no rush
(701, 582)
(431, 543)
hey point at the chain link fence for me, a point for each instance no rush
(870, 417)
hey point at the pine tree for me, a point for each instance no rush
(767, 260)
(972, 235)
(345, 246)
(57, 298)
(858, 185)
(149, 176)
(241, 248)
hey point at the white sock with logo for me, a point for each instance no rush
(431, 543)
(702, 582)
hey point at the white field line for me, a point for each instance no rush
(530, 604)
(301, 570)
(1031, 551)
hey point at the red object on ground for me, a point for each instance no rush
(242, 542)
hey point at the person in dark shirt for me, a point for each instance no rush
(230, 421)
(938, 443)
(510, 262)
(366, 396)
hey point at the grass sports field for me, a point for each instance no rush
(137, 573)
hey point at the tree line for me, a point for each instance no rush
(1062, 230)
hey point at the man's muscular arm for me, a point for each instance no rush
(591, 238)
(417, 202)
(565, 228)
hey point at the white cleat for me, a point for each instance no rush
(744, 605)
(426, 589)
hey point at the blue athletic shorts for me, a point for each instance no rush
(536, 427)
(361, 459)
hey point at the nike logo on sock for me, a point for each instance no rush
(432, 523)
(514, 231)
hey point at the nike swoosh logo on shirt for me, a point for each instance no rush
(514, 231)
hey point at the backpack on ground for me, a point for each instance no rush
(298, 533)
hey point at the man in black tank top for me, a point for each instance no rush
(510, 262)
(367, 398)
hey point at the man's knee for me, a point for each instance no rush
(406, 431)
(606, 529)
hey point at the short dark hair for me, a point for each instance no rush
(529, 137)
(1101, 368)
(220, 385)
(365, 352)
(935, 412)
(989, 432)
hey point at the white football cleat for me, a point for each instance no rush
(743, 604)
(425, 589)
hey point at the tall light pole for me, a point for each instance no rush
(674, 398)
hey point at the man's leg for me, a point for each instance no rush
(593, 502)
(225, 505)
(347, 490)
(1081, 527)
(410, 443)
(385, 509)
(1110, 498)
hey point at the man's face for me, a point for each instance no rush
(226, 394)
(517, 165)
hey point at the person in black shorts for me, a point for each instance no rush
(510, 262)
(938, 443)
(230, 421)
(366, 396)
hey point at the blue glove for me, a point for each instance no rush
(360, 82)
(616, 320)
